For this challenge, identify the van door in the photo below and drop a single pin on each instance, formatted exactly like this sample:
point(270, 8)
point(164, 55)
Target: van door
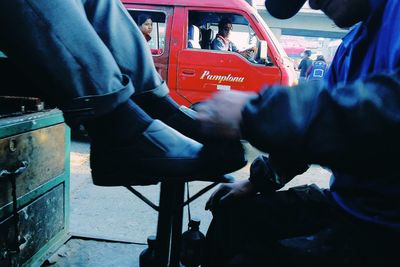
point(159, 43)
point(201, 71)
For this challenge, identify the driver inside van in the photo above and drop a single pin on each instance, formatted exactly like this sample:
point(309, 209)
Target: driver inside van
point(222, 42)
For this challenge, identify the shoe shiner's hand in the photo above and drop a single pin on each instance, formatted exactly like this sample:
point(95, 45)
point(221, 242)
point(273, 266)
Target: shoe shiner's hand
point(221, 116)
point(230, 192)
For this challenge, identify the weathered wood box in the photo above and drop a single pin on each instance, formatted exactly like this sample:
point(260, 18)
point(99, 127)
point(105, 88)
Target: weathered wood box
point(34, 171)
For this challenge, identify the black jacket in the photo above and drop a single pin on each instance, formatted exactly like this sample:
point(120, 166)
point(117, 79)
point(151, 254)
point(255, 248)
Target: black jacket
point(353, 129)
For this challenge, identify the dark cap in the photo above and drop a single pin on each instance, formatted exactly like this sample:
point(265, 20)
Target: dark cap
point(284, 9)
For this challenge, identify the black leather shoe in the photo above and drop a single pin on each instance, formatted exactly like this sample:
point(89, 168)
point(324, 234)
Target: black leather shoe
point(162, 154)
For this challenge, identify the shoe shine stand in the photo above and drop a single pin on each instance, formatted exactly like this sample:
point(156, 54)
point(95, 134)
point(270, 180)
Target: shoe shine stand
point(170, 216)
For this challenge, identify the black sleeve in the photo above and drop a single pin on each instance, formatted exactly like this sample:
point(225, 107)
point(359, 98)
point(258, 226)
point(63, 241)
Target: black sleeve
point(351, 128)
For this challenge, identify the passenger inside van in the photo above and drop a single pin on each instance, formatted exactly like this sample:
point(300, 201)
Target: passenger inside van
point(222, 42)
point(145, 24)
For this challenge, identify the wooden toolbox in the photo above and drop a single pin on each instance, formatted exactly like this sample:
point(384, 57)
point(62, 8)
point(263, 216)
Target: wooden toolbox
point(34, 186)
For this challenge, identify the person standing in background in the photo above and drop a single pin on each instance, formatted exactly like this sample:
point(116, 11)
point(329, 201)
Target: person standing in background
point(317, 70)
point(305, 63)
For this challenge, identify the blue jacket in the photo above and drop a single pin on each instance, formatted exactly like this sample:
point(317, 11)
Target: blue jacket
point(317, 70)
point(350, 125)
point(219, 44)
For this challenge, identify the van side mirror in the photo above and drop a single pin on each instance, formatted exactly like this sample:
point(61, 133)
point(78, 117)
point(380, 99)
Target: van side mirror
point(263, 50)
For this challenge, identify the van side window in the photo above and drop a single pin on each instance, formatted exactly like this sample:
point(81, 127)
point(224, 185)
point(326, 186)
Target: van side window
point(153, 26)
point(2, 55)
point(226, 32)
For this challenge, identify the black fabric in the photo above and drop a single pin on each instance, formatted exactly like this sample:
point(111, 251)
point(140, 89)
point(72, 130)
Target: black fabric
point(352, 128)
point(283, 9)
point(298, 227)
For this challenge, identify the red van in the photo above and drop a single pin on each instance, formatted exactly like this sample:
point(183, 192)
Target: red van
point(182, 34)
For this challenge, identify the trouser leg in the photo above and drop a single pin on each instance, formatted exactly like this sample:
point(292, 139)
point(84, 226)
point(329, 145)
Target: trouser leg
point(54, 43)
point(123, 38)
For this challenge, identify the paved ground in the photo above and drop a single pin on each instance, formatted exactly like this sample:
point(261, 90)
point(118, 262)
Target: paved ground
point(116, 214)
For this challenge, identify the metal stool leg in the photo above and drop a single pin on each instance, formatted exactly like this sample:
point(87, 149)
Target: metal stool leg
point(170, 221)
point(164, 224)
point(177, 220)
point(170, 218)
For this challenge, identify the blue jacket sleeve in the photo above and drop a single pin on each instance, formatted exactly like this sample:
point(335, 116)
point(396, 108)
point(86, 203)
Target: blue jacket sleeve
point(344, 128)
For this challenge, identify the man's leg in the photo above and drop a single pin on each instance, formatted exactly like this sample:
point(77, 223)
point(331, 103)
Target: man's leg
point(126, 42)
point(55, 44)
point(52, 42)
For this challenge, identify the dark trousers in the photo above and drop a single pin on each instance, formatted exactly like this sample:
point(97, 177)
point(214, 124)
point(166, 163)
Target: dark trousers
point(298, 227)
point(87, 56)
